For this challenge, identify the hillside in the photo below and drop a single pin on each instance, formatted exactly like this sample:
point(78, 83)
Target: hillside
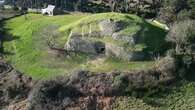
point(97, 54)
point(150, 35)
point(29, 51)
point(39, 47)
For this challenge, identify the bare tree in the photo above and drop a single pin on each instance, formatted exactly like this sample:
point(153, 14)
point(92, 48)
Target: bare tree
point(182, 34)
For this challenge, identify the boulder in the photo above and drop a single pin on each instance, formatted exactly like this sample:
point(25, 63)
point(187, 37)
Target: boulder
point(122, 53)
point(79, 44)
point(131, 39)
point(94, 34)
point(108, 27)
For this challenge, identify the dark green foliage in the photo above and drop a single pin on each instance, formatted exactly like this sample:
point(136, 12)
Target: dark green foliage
point(192, 7)
point(53, 95)
point(145, 8)
point(177, 10)
point(153, 38)
point(182, 35)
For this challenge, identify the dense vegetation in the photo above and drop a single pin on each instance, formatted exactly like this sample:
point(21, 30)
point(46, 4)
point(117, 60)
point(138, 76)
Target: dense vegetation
point(167, 10)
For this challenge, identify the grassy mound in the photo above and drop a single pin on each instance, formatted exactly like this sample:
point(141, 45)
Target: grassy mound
point(150, 35)
point(132, 20)
point(25, 50)
point(28, 50)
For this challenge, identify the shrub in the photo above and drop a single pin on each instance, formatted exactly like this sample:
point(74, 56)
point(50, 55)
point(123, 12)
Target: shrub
point(192, 7)
point(182, 34)
point(167, 15)
point(170, 53)
point(183, 15)
point(121, 82)
point(53, 95)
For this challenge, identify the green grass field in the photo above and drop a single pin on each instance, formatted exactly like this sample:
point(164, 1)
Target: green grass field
point(28, 57)
point(31, 55)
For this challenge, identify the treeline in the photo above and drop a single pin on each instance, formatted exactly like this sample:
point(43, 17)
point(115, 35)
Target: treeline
point(177, 10)
point(140, 7)
point(167, 10)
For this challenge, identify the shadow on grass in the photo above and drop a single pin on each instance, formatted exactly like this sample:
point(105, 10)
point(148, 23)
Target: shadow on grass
point(5, 36)
point(190, 76)
point(153, 37)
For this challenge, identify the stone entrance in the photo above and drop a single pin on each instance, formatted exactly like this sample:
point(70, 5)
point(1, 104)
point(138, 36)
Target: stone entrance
point(100, 47)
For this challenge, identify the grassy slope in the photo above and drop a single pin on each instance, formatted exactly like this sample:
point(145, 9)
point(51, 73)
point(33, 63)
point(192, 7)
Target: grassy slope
point(28, 57)
point(151, 36)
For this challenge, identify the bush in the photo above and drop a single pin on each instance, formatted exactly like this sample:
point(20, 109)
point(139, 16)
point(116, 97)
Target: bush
point(13, 87)
point(182, 34)
point(170, 53)
point(121, 82)
point(192, 7)
point(183, 15)
point(167, 15)
point(52, 95)
point(176, 10)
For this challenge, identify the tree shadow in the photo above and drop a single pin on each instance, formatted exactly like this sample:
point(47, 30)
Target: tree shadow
point(190, 76)
point(153, 37)
point(5, 36)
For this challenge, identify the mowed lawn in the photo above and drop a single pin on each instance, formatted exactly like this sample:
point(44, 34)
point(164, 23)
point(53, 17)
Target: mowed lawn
point(29, 53)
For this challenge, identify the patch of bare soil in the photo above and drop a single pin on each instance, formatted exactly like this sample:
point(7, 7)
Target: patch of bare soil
point(59, 53)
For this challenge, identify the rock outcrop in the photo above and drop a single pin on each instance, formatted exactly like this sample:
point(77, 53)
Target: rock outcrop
point(109, 26)
point(85, 43)
point(80, 44)
point(130, 39)
point(122, 53)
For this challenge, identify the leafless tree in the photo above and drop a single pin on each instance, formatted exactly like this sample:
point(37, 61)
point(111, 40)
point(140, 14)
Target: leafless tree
point(182, 34)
